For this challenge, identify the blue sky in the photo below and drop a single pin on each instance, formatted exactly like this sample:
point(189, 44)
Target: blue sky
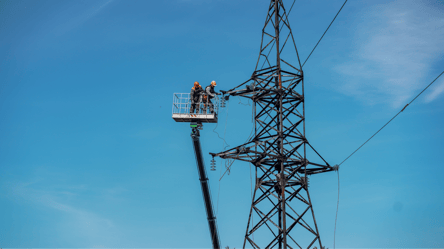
point(90, 156)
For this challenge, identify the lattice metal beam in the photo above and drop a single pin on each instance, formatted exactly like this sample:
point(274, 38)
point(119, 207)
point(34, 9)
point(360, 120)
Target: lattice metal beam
point(281, 213)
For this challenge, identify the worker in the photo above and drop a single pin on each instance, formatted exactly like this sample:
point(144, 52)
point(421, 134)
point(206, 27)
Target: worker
point(195, 96)
point(210, 94)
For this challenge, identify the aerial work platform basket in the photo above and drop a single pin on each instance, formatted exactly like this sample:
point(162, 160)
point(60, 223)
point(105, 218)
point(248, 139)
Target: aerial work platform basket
point(182, 107)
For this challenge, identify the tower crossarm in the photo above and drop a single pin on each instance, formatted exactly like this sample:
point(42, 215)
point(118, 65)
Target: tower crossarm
point(263, 83)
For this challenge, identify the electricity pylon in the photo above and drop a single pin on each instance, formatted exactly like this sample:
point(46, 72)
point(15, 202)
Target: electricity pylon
point(281, 213)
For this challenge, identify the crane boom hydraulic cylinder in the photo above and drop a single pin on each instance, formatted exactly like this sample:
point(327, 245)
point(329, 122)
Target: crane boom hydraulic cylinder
point(205, 186)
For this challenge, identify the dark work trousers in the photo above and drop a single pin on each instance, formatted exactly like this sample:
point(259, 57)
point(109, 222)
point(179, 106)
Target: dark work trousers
point(194, 105)
point(209, 105)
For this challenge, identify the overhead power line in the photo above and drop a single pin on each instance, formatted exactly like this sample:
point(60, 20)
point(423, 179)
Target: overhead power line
point(392, 118)
point(324, 33)
point(337, 204)
point(336, 217)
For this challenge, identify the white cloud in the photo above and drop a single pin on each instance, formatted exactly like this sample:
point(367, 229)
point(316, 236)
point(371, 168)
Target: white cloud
point(94, 11)
point(54, 200)
point(398, 43)
point(87, 224)
point(436, 91)
point(76, 18)
point(81, 18)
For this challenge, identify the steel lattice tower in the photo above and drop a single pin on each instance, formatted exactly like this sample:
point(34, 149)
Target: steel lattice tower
point(281, 213)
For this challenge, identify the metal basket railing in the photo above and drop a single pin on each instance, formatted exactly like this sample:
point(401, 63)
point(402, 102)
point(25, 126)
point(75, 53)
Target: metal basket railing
point(182, 104)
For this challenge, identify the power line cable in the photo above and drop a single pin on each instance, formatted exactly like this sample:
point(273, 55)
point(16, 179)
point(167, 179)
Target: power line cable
point(392, 118)
point(336, 218)
point(324, 33)
point(223, 147)
point(225, 129)
point(229, 163)
point(337, 204)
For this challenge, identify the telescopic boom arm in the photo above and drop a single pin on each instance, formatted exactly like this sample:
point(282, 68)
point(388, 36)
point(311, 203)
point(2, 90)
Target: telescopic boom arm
point(205, 186)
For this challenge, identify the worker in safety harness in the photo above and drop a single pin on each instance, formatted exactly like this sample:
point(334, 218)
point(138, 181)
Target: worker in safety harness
point(195, 97)
point(209, 94)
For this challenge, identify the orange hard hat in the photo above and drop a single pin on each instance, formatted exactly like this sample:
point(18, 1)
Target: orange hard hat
point(196, 84)
point(213, 83)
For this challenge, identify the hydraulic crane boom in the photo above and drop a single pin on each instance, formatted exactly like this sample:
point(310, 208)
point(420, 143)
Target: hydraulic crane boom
point(204, 184)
